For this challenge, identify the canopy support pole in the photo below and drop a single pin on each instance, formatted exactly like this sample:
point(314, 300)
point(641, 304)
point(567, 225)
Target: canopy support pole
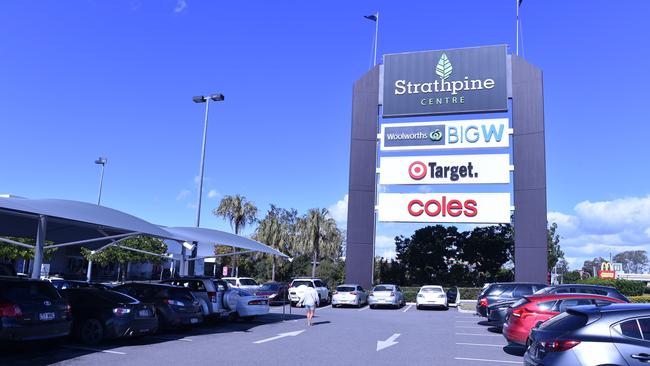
point(16, 243)
point(40, 243)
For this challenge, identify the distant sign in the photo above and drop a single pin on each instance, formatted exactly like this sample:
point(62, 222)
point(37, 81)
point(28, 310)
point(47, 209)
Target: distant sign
point(485, 208)
point(475, 134)
point(462, 80)
point(445, 169)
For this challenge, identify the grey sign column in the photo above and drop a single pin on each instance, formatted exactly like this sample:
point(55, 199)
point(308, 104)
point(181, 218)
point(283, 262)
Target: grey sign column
point(529, 159)
point(361, 194)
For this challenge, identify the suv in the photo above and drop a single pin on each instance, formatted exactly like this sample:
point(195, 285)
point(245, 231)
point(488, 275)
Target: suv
point(504, 291)
point(295, 294)
point(244, 283)
point(213, 295)
point(583, 289)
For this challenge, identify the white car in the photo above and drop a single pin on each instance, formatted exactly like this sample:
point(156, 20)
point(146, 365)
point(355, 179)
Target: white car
point(250, 305)
point(431, 296)
point(296, 293)
point(349, 295)
point(245, 283)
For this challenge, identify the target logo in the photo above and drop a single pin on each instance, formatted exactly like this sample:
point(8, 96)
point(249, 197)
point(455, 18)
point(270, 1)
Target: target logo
point(417, 170)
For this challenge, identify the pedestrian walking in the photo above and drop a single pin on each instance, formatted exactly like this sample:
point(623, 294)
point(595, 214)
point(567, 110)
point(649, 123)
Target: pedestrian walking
point(309, 300)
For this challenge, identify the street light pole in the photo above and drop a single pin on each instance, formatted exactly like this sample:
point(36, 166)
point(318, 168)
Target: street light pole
point(100, 161)
point(202, 99)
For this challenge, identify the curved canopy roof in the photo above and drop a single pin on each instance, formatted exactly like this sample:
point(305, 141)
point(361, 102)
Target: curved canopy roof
point(69, 221)
point(211, 236)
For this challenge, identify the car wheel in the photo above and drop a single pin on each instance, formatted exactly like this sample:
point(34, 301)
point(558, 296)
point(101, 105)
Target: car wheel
point(418, 307)
point(372, 306)
point(91, 332)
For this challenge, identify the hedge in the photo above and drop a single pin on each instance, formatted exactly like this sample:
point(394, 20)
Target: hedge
point(640, 299)
point(626, 287)
point(466, 293)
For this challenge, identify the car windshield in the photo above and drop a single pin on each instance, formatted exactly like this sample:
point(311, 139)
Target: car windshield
point(231, 281)
point(520, 302)
point(242, 292)
point(431, 290)
point(17, 291)
point(565, 322)
point(115, 297)
point(302, 283)
point(179, 294)
point(345, 289)
point(247, 282)
point(383, 288)
point(269, 287)
point(543, 291)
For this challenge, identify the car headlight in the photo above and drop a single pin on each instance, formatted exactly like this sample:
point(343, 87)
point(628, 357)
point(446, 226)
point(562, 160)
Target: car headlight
point(420, 295)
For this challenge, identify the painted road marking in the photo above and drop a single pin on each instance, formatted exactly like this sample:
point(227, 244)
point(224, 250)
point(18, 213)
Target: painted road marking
point(468, 326)
point(387, 343)
point(184, 339)
point(281, 335)
point(94, 349)
point(407, 308)
point(490, 361)
point(481, 335)
point(325, 307)
point(364, 308)
point(480, 344)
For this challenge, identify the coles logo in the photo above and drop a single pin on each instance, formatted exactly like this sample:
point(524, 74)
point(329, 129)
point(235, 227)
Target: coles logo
point(417, 170)
point(443, 207)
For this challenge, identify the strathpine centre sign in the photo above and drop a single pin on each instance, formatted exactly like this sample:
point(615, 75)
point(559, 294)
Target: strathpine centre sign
point(463, 80)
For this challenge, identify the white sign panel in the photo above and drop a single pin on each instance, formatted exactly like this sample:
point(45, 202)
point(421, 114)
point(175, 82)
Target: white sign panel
point(465, 134)
point(445, 169)
point(479, 208)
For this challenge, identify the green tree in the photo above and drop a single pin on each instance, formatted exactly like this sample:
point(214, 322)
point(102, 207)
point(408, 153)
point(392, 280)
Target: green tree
point(555, 253)
point(239, 212)
point(633, 261)
point(571, 276)
point(424, 255)
point(487, 248)
point(319, 236)
point(277, 230)
point(589, 265)
point(117, 254)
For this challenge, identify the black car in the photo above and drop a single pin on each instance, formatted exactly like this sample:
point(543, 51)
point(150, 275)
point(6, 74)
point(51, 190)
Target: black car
point(31, 310)
point(104, 314)
point(60, 284)
point(175, 306)
point(505, 291)
point(7, 270)
point(276, 292)
point(583, 289)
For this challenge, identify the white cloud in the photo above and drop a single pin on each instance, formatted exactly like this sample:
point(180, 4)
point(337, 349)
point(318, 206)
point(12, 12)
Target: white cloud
point(182, 194)
point(339, 211)
point(385, 246)
point(597, 229)
point(180, 6)
point(213, 194)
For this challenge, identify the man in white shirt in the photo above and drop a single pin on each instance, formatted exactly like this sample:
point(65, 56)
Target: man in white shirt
point(309, 300)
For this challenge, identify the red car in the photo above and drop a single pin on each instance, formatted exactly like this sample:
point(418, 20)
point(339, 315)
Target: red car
point(527, 312)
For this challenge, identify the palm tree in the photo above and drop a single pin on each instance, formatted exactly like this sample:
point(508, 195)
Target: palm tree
point(277, 230)
point(239, 212)
point(318, 234)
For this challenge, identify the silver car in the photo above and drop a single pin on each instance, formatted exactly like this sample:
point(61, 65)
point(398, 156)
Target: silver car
point(351, 294)
point(386, 295)
point(214, 296)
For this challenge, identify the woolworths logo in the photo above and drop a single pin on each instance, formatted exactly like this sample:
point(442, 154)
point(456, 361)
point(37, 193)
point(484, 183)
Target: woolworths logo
point(444, 69)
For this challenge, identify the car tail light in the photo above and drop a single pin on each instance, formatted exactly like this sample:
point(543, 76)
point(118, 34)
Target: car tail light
point(121, 311)
point(483, 302)
point(257, 302)
point(212, 296)
point(68, 309)
point(10, 311)
point(353, 293)
point(517, 312)
point(172, 302)
point(559, 346)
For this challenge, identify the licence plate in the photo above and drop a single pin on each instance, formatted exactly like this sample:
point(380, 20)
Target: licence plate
point(144, 313)
point(194, 320)
point(46, 316)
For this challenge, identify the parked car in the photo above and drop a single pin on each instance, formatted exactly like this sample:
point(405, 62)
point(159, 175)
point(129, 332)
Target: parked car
point(351, 294)
point(175, 306)
point(530, 310)
point(496, 313)
point(212, 294)
point(250, 305)
point(295, 293)
point(618, 334)
point(105, 314)
point(61, 284)
point(7, 270)
point(504, 291)
point(276, 292)
point(583, 289)
point(431, 296)
point(386, 295)
point(32, 309)
point(245, 283)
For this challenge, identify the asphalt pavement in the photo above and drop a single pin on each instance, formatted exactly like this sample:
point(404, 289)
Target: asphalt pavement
point(345, 336)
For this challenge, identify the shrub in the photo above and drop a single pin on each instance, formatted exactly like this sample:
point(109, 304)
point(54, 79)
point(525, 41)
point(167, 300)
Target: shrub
point(626, 287)
point(640, 299)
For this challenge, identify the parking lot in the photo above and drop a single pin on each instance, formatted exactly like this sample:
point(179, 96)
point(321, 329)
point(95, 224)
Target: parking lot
point(339, 336)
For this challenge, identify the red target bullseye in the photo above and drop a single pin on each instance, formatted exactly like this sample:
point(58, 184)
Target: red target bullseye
point(417, 170)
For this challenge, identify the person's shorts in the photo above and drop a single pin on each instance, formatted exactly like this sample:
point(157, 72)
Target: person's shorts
point(310, 307)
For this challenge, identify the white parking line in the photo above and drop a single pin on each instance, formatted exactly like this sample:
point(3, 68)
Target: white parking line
point(480, 335)
point(94, 349)
point(407, 308)
point(364, 308)
point(184, 339)
point(480, 344)
point(468, 326)
point(490, 361)
point(466, 321)
point(325, 307)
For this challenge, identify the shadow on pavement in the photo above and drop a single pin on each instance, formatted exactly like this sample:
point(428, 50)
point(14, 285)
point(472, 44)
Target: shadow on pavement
point(321, 323)
point(495, 330)
point(515, 350)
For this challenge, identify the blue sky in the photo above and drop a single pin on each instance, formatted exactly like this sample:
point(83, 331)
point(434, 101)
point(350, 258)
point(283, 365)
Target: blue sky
point(115, 78)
